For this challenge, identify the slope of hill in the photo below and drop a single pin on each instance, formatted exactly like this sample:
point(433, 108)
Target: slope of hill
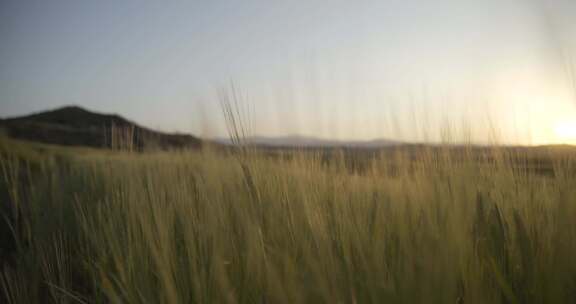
point(75, 126)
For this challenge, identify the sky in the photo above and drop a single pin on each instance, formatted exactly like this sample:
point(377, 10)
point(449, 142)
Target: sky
point(413, 70)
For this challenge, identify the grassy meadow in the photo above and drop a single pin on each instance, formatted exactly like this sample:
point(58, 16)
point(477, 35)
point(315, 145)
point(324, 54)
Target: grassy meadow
point(432, 225)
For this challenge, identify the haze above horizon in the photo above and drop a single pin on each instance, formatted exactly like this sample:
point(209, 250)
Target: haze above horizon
point(341, 70)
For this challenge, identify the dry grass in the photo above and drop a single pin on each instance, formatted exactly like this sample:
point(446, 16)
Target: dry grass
point(203, 227)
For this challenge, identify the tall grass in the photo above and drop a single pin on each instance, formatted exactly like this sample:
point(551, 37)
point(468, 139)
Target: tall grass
point(202, 227)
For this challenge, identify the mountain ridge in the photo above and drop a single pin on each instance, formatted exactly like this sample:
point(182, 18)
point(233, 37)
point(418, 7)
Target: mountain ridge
point(77, 126)
point(312, 142)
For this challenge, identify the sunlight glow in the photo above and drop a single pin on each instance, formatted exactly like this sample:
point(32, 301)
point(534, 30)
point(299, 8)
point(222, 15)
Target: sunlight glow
point(566, 131)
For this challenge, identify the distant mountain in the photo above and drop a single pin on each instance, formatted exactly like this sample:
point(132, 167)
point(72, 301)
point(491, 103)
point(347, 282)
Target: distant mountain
point(313, 142)
point(75, 126)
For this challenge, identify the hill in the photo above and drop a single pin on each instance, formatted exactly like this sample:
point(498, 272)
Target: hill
point(313, 142)
point(75, 126)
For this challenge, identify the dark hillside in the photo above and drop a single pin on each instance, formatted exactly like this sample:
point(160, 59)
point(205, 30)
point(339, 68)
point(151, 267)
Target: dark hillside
point(75, 126)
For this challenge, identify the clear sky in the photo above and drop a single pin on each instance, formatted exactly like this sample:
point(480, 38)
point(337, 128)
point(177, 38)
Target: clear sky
point(401, 69)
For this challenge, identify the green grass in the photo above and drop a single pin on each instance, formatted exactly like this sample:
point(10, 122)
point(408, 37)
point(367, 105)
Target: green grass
point(206, 227)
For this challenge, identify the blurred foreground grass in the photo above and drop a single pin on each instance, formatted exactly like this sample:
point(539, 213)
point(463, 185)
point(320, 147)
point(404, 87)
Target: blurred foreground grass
point(86, 226)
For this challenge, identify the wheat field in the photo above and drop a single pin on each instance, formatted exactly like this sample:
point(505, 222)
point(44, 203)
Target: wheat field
point(432, 226)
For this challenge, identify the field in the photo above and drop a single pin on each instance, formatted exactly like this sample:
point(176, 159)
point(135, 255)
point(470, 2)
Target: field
point(429, 225)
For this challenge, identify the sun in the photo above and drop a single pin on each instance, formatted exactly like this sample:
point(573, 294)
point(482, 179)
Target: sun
point(566, 131)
